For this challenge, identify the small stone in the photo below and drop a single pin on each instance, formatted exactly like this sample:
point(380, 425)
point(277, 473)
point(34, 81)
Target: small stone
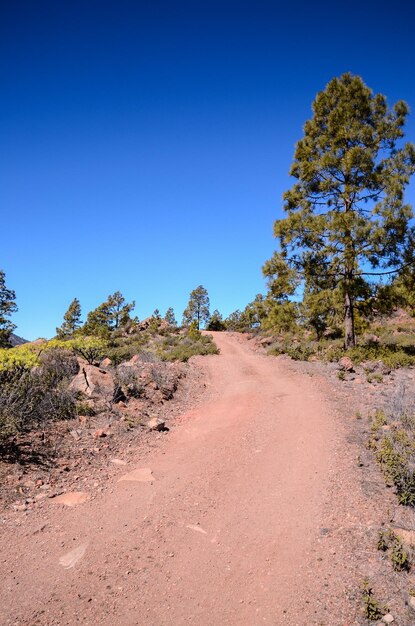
point(411, 602)
point(156, 424)
point(118, 462)
point(100, 432)
point(388, 618)
point(19, 507)
point(346, 364)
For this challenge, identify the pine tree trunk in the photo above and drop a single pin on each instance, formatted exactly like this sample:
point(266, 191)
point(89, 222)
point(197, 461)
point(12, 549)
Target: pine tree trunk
point(349, 335)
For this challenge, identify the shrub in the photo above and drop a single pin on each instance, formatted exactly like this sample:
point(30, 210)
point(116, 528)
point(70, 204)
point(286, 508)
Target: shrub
point(92, 349)
point(299, 349)
point(398, 555)
point(372, 609)
point(186, 347)
point(395, 452)
point(36, 395)
point(21, 358)
point(127, 379)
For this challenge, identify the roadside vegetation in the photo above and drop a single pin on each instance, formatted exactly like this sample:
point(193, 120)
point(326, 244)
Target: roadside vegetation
point(37, 379)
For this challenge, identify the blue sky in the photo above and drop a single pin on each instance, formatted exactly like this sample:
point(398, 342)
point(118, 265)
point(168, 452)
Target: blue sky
point(145, 146)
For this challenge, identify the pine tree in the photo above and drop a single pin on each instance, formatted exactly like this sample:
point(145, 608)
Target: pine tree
point(111, 315)
point(198, 308)
point(7, 307)
point(71, 320)
point(118, 310)
point(169, 317)
point(346, 216)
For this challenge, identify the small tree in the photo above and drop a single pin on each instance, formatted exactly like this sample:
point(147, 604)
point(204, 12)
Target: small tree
point(170, 318)
point(71, 320)
point(7, 307)
point(346, 218)
point(198, 308)
point(216, 322)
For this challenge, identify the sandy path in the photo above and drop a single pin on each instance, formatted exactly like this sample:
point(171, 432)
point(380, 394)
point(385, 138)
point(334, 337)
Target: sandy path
point(223, 531)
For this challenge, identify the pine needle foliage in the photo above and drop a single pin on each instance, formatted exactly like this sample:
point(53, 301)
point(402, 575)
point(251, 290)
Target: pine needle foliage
point(346, 218)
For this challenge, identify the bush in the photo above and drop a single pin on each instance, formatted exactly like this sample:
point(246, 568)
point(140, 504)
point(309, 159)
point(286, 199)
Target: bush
point(126, 378)
point(392, 356)
point(30, 396)
point(92, 349)
point(394, 447)
point(185, 347)
point(297, 349)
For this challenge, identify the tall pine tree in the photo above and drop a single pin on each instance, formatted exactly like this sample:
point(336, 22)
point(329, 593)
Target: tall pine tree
point(346, 215)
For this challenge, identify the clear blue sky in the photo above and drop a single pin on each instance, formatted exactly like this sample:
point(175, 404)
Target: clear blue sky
point(145, 146)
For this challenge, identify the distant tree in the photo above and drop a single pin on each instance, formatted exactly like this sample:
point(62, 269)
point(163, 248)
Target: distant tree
point(97, 322)
point(7, 307)
point(118, 310)
point(169, 317)
point(216, 322)
point(346, 217)
point(71, 320)
point(198, 308)
point(111, 315)
point(156, 314)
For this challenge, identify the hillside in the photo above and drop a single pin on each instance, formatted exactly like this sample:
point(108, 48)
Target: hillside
point(15, 340)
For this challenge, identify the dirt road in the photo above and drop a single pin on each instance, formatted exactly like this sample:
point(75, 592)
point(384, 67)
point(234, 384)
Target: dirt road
point(220, 524)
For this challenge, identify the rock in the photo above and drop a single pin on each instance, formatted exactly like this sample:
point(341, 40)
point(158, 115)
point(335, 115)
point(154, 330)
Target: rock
point(388, 618)
point(266, 341)
point(72, 498)
point(99, 433)
point(371, 339)
point(19, 507)
point(93, 382)
point(411, 602)
point(346, 364)
point(70, 559)
point(106, 363)
point(407, 536)
point(142, 475)
point(118, 462)
point(144, 324)
point(156, 424)
point(376, 367)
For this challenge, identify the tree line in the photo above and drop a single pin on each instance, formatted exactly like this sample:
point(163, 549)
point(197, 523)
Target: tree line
point(112, 315)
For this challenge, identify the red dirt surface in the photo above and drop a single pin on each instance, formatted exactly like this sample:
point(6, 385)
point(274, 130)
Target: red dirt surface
point(245, 513)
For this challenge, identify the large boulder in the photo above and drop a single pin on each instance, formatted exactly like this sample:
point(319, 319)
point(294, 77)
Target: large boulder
point(93, 382)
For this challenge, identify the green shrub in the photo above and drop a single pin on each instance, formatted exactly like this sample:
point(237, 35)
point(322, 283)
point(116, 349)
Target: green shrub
point(392, 356)
point(185, 347)
point(372, 609)
point(395, 452)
